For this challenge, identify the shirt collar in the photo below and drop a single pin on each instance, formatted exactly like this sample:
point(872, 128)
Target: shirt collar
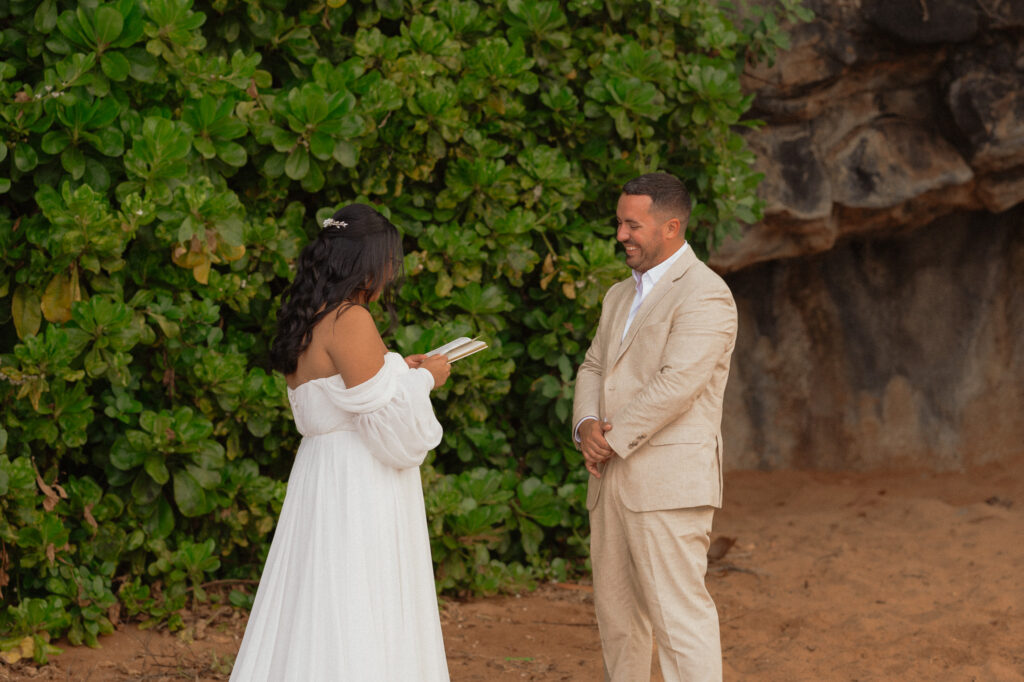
point(651, 277)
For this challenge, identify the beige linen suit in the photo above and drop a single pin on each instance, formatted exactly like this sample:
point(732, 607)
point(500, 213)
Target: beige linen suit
point(661, 388)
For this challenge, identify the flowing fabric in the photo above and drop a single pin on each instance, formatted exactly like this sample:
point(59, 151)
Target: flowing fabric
point(347, 592)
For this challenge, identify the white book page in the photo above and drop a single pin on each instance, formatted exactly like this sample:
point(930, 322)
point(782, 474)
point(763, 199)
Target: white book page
point(444, 350)
point(459, 348)
point(462, 351)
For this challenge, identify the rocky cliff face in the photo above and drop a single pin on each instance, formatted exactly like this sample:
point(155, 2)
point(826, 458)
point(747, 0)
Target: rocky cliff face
point(899, 351)
point(882, 296)
point(885, 115)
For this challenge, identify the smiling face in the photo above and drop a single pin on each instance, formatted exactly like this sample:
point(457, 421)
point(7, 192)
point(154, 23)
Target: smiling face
point(649, 237)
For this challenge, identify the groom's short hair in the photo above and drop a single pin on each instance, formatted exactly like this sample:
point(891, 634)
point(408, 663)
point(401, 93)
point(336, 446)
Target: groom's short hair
point(667, 192)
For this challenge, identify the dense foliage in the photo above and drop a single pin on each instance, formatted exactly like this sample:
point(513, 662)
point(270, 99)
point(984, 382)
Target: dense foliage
point(163, 161)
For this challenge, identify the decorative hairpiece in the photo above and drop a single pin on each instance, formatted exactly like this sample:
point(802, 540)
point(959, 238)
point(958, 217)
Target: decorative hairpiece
point(337, 224)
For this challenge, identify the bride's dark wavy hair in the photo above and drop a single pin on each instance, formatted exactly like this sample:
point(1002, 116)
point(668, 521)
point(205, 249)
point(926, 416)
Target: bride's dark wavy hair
point(359, 251)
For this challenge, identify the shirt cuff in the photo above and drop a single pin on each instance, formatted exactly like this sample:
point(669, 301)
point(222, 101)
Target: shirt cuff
point(576, 431)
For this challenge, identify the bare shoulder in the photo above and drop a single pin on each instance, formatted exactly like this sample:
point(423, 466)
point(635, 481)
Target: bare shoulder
point(350, 318)
point(354, 344)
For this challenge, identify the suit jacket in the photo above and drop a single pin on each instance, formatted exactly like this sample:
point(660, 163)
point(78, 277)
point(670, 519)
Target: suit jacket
point(662, 386)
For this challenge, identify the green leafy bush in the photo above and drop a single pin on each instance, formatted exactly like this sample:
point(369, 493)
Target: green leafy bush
point(163, 162)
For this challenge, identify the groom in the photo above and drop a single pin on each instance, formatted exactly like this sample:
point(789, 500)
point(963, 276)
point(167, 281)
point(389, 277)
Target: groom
point(647, 417)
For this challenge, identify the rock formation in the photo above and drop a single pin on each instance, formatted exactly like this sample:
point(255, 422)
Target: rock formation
point(885, 115)
point(881, 295)
point(892, 351)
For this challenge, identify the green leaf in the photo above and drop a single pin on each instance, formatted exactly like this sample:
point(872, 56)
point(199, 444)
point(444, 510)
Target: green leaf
point(531, 536)
point(210, 455)
point(232, 154)
point(96, 364)
point(273, 165)
point(108, 25)
point(321, 145)
point(144, 66)
point(45, 18)
point(73, 161)
point(109, 141)
point(297, 165)
point(314, 180)
point(205, 147)
point(188, 494)
point(26, 312)
point(124, 456)
point(258, 426)
point(68, 23)
point(539, 502)
point(25, 158)
point(161, 522)
point(346, 153)
point(392, 9)
point(97, 177)
point(115, 65)
point(283, 140)
point(157, 468)
point(207, 479)
point(53, 142)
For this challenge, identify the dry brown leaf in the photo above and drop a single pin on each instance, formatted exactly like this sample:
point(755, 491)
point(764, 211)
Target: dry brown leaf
point(51, 495)
point(89, 518)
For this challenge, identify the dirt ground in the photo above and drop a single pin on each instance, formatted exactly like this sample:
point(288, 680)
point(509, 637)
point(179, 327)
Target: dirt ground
point(833, 576)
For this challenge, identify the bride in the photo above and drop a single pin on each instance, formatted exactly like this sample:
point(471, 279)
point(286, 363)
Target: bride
point(347, 592)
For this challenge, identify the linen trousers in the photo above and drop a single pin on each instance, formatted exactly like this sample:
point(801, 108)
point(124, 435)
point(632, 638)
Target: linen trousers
point(649, 570)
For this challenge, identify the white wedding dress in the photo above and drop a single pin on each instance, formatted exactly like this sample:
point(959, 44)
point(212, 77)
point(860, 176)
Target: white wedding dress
point(347, 592)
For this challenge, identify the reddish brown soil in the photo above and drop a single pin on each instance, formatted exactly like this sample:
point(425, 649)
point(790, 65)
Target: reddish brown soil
point(833, 576)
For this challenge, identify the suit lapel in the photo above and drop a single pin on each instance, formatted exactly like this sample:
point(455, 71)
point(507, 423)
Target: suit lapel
point(619, 316)
point(664, 286)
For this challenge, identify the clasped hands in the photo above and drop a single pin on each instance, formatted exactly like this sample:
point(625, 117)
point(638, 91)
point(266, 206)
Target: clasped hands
point(596, 450)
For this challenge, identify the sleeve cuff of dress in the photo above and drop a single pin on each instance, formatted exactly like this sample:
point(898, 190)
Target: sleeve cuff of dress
point(425, 377)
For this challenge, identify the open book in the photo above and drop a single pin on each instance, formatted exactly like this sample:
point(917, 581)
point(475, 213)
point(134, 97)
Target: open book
point(459, 348)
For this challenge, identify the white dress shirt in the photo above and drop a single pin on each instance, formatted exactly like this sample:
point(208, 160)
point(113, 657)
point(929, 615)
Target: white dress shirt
point(645, 281)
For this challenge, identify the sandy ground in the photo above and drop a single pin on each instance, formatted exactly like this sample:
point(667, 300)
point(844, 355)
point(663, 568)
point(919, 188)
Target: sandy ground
point(833, 576)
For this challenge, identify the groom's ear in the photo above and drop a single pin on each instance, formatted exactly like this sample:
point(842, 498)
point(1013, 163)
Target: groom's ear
point(673, 228)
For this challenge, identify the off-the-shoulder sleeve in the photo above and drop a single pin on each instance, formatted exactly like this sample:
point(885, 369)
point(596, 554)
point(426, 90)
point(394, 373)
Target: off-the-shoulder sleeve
point(393, 412)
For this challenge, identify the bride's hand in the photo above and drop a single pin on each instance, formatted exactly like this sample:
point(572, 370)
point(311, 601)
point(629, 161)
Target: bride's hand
point(414, 361)
point(439, 367)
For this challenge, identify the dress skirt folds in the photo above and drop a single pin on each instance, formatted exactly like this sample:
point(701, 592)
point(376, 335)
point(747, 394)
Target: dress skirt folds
point(347, 593)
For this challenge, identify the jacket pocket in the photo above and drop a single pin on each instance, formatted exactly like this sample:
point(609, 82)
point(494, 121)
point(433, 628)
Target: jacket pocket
point(681, 434)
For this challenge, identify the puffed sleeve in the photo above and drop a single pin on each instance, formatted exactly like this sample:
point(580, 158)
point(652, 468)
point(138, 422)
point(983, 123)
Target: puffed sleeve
point(393, 413)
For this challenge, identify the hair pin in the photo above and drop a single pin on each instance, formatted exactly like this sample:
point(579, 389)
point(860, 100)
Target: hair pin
point(331, 222)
